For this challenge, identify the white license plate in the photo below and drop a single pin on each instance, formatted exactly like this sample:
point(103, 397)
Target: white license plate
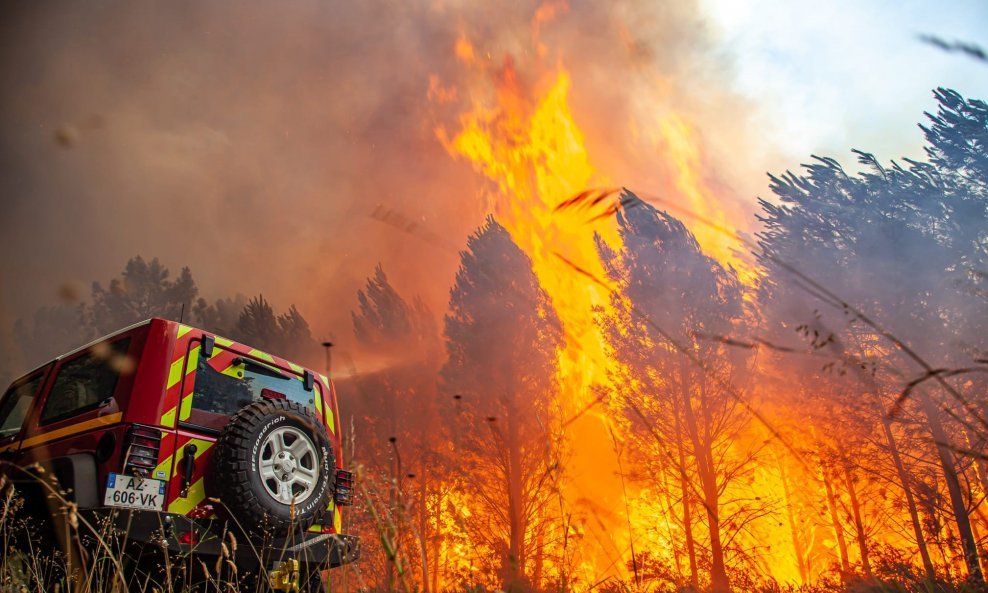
point(134, 493)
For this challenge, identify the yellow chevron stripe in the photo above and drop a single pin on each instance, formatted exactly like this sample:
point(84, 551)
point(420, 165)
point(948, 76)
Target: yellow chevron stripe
point(337, 519)
point(175, 372)
point(71, 430)
point(185, 410)
point(234, 370)
point(223, 342)
point(190, 363)
point(182, 330)
point(317, 396)
point(195, 495)
point(331, 420)
point(162, 467)
point(168, 418)
point(298, 369)
point(262, 355)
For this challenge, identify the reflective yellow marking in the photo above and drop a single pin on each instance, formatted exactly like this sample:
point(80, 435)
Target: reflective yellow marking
point(201, 447)
point(186, 408)
point(71, 430)
point(337, 519)
point(331, 421)
point(234, 370)
point(317, 396)
point(195, 495)
point(182, 330)
point(296, 368)
point(191, 364)
point(168, 418)
point(161, 469)
point(262, 355)
point(223, 342)
point(193, 360)
point(175, 373)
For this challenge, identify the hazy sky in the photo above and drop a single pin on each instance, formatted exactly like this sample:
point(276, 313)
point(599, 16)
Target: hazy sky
point(844, 74)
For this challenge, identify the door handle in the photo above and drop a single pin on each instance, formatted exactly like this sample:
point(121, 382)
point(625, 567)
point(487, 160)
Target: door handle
point(188, 466)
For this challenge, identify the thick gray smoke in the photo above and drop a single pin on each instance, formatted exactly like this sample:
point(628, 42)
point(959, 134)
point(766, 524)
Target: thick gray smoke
point(253, 142)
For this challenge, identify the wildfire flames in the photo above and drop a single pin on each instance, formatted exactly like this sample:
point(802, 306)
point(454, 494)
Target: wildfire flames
point(521, 134)
point(529, 145)
point(630, 378)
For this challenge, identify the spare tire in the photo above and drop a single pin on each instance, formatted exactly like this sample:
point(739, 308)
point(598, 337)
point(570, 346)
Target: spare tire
point(274, 467)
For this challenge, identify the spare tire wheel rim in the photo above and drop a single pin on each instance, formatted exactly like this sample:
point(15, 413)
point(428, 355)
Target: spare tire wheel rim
point(288, 463)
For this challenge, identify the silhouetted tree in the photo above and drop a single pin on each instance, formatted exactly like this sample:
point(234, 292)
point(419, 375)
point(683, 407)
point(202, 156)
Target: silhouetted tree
point(906, 247)
point(143, 290)
point(671, 299)
point(52, 330)
point(399, 403)
point(502, 338)
point(221, 316)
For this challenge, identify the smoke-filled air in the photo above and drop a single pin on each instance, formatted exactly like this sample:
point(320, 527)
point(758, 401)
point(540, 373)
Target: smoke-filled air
point(603, 317)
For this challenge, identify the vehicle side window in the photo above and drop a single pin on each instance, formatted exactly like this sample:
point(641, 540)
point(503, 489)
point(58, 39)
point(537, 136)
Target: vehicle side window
point(15, 404)
point(85, 381)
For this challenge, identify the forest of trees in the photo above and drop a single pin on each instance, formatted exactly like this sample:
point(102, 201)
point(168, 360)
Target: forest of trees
point(824, 427)
point(145, 289)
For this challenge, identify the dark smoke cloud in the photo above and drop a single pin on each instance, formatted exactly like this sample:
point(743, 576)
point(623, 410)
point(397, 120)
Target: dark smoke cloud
point(253, 141)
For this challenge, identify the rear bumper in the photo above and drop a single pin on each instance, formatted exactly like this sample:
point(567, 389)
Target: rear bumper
point(212, 538)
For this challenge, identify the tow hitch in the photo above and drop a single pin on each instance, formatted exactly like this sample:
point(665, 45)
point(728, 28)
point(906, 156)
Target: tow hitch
point(285, 576)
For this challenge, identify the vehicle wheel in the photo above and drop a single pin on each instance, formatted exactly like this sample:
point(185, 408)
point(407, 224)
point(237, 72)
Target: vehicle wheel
point(274, 467)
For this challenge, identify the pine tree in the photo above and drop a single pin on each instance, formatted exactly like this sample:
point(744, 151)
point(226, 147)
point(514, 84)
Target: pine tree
point(143, 290)
point(900, 253)
point(399, 403)
point(671, 300)
point(502, 338)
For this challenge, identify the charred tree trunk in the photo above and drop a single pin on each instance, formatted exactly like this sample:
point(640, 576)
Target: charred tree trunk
point(702, 450)
point(424, 523)
point(845, 563)
point(856, 516)
point(797, 541)
point(669, 504)
point(437, 514)
point(900, 470)
point(684, 488)
point(948, 466)
point(513, 566)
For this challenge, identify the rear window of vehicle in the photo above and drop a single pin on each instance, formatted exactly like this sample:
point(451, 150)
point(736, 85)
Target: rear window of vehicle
point(15, 404)
point(86, 381)
point(243, 381)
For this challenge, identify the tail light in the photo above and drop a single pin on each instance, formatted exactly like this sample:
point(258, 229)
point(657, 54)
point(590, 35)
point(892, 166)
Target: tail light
point(141, 446)
point(344, 487)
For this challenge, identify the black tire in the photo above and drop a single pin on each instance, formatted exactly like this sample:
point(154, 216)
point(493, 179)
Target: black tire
point(240, 484)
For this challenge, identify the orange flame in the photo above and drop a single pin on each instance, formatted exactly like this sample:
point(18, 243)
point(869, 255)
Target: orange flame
point(528, 144)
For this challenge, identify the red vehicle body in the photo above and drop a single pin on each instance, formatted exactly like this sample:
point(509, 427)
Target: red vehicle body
point(135, 406)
